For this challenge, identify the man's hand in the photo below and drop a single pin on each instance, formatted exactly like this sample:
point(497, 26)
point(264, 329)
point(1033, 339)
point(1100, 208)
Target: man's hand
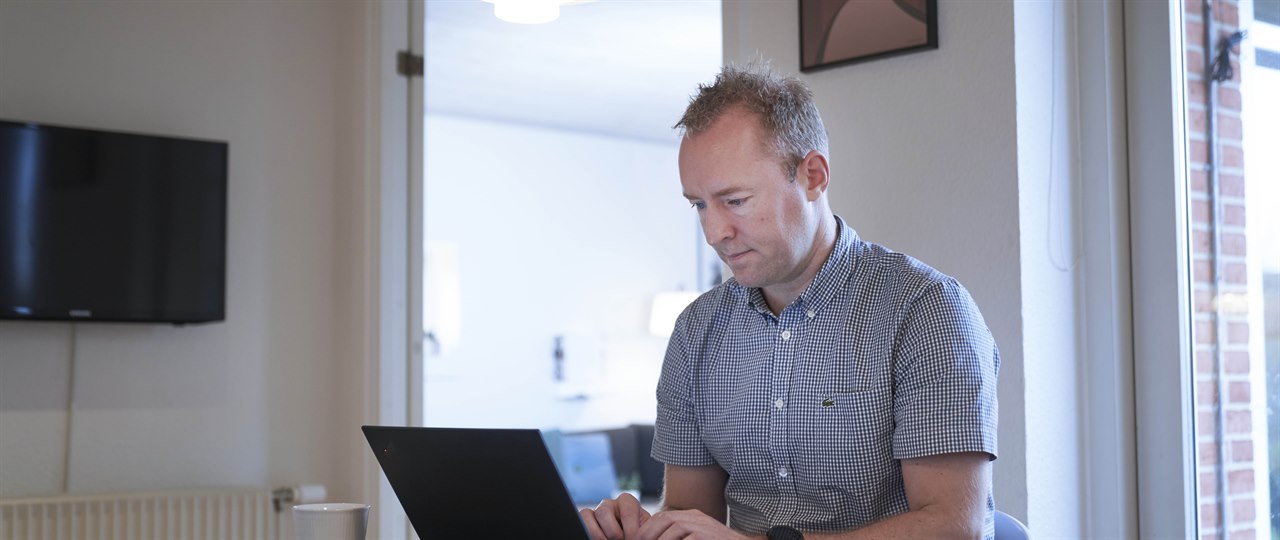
point(690, 524)
point(615, 519)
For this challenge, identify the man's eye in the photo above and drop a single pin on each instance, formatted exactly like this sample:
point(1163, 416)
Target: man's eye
point(735, 202)
point(698, 205)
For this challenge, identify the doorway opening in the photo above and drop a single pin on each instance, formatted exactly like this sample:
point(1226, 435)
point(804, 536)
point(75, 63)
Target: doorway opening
point(552, 209)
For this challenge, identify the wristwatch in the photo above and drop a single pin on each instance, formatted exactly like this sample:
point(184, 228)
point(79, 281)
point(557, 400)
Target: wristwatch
point(784, 532)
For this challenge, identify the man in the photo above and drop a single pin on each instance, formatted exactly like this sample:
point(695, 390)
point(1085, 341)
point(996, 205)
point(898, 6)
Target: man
point(832, 388)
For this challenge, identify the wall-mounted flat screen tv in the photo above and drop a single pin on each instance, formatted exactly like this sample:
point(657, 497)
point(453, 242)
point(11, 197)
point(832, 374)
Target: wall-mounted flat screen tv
point(106, 226)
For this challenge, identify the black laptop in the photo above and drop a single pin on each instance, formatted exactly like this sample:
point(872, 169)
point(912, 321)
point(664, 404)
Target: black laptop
point(476, 483)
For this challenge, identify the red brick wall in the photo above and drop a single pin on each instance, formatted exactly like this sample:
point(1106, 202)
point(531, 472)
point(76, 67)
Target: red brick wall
point(1231, 205)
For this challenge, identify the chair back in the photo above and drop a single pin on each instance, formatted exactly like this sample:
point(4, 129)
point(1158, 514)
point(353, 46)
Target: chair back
point(1009, 528)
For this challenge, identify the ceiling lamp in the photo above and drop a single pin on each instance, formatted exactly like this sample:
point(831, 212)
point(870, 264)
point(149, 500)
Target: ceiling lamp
point(529, 11)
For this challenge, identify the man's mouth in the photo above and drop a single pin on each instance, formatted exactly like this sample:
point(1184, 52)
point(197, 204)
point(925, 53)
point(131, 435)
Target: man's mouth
point(735, 257)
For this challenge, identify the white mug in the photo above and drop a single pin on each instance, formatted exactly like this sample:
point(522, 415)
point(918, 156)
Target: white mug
point(330, 521)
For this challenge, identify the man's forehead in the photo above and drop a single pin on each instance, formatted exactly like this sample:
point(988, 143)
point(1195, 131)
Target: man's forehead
point(725, 146)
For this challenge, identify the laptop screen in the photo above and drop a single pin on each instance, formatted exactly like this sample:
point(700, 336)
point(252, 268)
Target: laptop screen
point(476, 483)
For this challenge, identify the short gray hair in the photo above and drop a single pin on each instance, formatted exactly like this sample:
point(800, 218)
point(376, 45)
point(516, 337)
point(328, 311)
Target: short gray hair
point(783, 104)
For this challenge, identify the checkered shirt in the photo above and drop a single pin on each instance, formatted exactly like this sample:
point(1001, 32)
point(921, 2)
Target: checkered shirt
point(881, 359)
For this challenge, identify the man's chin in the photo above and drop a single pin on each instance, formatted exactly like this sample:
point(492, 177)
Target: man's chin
point(746, 279)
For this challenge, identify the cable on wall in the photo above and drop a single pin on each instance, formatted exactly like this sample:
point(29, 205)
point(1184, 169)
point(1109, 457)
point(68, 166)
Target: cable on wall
point(1217, 69)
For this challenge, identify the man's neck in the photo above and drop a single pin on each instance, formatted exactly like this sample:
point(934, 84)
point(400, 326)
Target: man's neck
point(779, 296)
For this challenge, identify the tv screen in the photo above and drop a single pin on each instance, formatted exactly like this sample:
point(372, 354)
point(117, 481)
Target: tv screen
point(106, 226)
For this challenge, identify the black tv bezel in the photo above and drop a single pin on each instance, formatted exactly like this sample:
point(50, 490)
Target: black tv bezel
point(8, 313)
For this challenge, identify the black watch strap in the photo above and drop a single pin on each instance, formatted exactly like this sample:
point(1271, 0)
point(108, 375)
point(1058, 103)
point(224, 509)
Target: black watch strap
point(784, 532)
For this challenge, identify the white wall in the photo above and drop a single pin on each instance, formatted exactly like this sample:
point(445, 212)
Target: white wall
point(925, 160)
point(252, 400)
point(555, 233)
point(1050, 262)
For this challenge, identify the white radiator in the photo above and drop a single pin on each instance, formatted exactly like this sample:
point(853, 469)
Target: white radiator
point(209, 514)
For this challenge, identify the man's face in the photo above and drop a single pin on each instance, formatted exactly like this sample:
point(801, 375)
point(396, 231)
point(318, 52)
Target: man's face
point(756, 218)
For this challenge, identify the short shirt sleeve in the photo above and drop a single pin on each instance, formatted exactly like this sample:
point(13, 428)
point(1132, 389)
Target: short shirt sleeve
point(676, 436)
point(945, 369)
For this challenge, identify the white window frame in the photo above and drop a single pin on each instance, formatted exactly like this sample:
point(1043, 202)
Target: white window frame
point(1107, 378)
point(1160, 270)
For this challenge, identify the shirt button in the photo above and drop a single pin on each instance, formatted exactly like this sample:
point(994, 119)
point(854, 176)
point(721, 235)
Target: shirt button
point(783, 472)
point(786, 334)
point(779, 403)
point(811, 314)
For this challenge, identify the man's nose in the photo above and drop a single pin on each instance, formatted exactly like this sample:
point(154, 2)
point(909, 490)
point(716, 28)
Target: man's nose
point(716, 227)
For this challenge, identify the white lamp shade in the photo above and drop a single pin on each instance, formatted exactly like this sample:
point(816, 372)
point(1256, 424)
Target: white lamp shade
point(526, 11)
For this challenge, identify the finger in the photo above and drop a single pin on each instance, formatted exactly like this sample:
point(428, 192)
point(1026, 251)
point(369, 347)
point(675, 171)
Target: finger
point(589, 521)
point(675, 528)
point(630, 513)
point(655, 526)
point(607, 517)
point(680, 524)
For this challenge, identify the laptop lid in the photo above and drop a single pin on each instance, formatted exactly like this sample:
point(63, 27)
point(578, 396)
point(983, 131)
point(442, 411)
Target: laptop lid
point(476, 483)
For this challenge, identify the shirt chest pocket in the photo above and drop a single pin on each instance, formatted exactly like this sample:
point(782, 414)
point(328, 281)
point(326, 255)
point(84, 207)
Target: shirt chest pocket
point(839, 434)
point(845, 403)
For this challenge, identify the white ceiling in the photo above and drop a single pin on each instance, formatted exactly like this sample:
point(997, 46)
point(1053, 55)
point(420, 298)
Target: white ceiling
point(614, 67)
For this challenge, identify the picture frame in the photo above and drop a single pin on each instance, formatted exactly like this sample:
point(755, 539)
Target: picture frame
point(841, 32)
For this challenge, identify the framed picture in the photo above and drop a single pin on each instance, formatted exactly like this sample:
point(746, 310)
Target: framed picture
point(838, 32)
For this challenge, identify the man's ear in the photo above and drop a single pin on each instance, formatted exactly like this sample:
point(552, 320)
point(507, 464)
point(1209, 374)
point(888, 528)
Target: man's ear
point(814, 174)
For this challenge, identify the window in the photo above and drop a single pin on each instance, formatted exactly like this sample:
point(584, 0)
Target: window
point(1234, 271)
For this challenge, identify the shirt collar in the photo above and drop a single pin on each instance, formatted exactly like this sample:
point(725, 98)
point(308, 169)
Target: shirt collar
point(831, 277)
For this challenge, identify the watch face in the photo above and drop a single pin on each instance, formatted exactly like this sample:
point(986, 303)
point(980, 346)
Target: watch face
point(784, 532)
